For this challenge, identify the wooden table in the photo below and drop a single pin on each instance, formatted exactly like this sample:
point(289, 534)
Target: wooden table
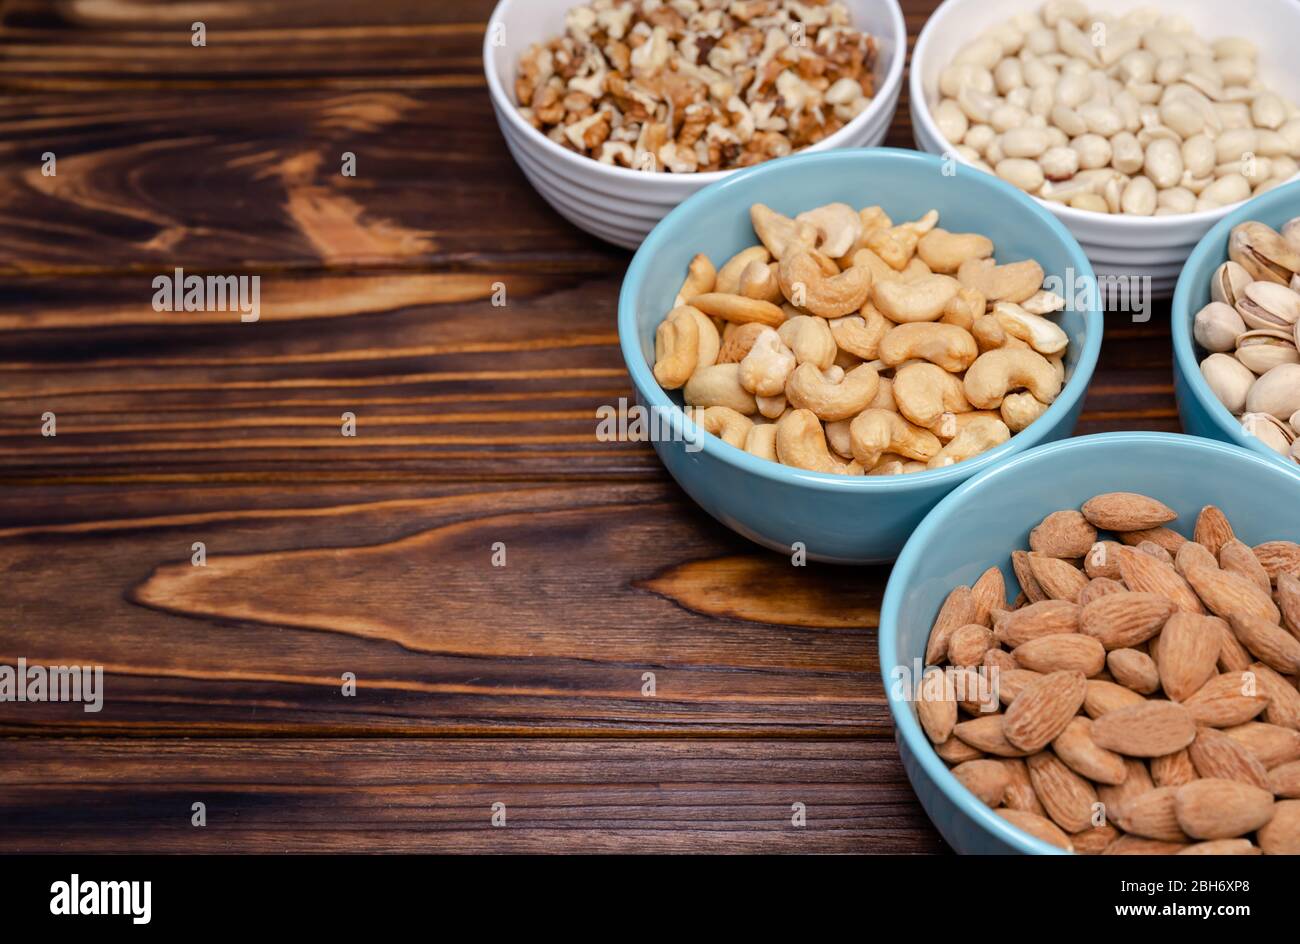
point(476, 685)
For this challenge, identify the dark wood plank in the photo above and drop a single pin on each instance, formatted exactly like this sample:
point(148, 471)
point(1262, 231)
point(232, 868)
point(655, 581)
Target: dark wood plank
point(414, 795)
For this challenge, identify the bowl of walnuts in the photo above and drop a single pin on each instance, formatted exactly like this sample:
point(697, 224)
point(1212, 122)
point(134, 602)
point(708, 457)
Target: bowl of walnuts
point(618, 110)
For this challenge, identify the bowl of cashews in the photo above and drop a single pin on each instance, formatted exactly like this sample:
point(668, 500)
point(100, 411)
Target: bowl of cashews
point(829, 344)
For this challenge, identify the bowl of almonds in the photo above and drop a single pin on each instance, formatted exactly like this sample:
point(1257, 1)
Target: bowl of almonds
point(1236, 327)
point(1095, 648)
point(1139, 124)
point(618, 110)
point(832, 342)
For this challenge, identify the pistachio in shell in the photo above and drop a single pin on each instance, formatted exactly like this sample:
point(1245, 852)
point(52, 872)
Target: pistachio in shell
point(1263, 253)
point(1277, 393)
point(1229, 283)
point(1229, 379)
point(1269, 430)
point(1217, 327)
point(1263, 349)
point(1269, 305)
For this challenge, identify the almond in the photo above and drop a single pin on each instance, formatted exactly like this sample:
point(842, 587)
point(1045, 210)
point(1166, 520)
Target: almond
point(1103, 560)
point(987, 779)
point(1233, 656)
point(957, 610)
point(1221, 809)
point(1151, 816)
point(1268, 642)
point(1282, 834)
point(988, 593)
point(1041, 712)
point(1288, 601)
point(1152, 549)
point(1038, 827)
point(936, 705)
point(1046, 618)
point(975, 692)
point(1221, 847)
point(1193, 554)
point(1001, 660)
point(1212, 529)
point(1062, 652)
point(1189, 654)
point(1217, 756)
point(1063, 534)
point(1067, 797)
point(1103, 697)
point(1077, 750)
point(956, 751)
point(1237, 558)
point(1123, 620)
point(1273, 746)
point(1279, 557)
point(1134, 670)
point(1094, 841)
point(1151, 729)
point(1025, 577)
point(1136, 845)
point(1229, 699)
point(985, 734)
point(1144, 574)
point(1173, 770)
point(1020, 791)
point(1137, 781)
point(1012, 682)
point(1283, 700)
point(1166, 539)
point(1231, 595)
point(1284, 780)
point(1099, 587)
point(967, 644)
point(1059, 579)
point(1126, 511)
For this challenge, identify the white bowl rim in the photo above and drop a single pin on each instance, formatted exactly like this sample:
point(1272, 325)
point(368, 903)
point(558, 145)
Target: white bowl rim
point(905, 723)
point(885, 99)
point(644, 384)
point(1148, 226)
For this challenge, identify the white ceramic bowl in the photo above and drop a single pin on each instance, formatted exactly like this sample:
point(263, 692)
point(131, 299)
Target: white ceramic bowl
point(620, 205)
point(1117, 245)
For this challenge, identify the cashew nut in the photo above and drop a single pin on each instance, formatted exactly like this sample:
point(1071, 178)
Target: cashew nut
point(801, 443)
point(759, 281)
point(837, 436)
point(677, 348)
point(772, 408)
point(891, 464)
point(811, 340)
point(884, 399)
point(1043, 303)
point(738, 340)
point(766, 368)
point(925, 393)
point(873, 219)
point(895, 245)
point(719, 385)
point(1016, 282)
point(881, 271)
point(945, 252)
point(1020, 409)
point(875, 432)
point(778, 232)
point(977, 436)
point(838, 227)
point(861, 334)
point(996, 373)
point(832, 398)
point(806, 284)
point(1045, 337)
point(700, 279)
point(728, 281)
point(921, 300)
point(725, 423)
point(738, 309)
point(949, 346)
point(761, 441)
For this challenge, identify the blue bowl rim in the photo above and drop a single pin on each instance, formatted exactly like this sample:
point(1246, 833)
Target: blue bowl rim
point(905, 723)
point(1212, 245)
point(650, 391)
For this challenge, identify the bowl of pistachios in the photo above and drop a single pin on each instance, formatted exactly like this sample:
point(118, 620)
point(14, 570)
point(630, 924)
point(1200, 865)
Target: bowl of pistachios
point(1236, 327)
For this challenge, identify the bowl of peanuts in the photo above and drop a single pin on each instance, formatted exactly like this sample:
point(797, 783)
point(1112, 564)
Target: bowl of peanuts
point(1236, 328)
point(1094, 648)
point(618, 110)
point(1139, 124)
point(825, 346)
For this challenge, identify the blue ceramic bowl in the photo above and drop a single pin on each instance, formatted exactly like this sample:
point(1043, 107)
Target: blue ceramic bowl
point(982, 522)
point(841, 518)
point(1200, 410)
